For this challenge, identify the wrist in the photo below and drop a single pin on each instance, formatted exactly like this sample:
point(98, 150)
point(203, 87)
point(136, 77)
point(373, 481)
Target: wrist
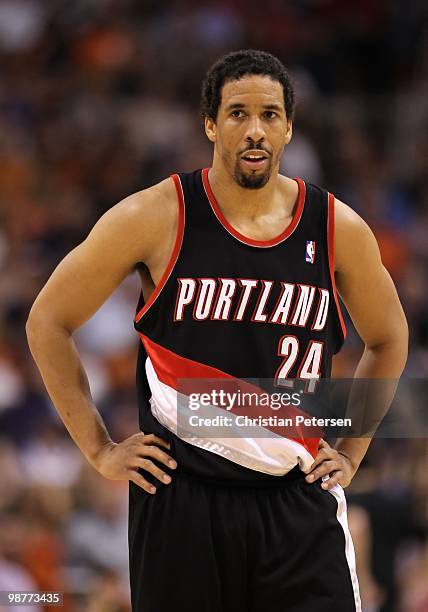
point(96, 456)
point(352, 462)
point(353, 449)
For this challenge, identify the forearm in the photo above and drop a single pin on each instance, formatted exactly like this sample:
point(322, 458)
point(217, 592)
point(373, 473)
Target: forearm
point(385, 362)
point(66, 382)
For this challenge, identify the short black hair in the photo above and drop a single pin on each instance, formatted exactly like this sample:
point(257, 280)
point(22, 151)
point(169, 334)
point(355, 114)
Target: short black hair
point(235, 65)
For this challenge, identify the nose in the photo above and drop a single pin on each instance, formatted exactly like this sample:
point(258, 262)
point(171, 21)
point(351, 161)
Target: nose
point(255, 131)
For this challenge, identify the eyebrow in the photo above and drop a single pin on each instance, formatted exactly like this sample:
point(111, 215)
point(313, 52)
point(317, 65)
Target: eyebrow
point(239, 105)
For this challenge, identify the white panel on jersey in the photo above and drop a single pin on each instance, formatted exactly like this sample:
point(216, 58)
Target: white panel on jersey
point(270, 453)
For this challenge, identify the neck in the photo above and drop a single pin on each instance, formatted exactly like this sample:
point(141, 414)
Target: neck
point(235, 198)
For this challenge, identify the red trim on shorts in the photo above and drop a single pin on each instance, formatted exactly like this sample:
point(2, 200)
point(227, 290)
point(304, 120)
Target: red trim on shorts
point(257, 243)
point(175, 252)
point(331, 259)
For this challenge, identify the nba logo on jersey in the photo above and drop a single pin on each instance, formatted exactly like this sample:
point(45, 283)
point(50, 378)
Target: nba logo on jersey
point(310, 251)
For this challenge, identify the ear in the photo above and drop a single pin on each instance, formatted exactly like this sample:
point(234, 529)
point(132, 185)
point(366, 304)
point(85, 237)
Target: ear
point(210, 129)
point(289, 132)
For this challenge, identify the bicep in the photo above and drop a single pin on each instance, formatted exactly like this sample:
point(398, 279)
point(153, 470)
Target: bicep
point(90, 273)
point(363, 282)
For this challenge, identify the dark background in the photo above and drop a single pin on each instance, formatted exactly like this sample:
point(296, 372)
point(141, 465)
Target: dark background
point(98, 99)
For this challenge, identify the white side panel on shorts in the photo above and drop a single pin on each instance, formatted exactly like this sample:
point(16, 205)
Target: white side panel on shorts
point(339, 494)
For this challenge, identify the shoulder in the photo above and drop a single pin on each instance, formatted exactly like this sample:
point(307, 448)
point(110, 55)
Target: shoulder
point(354, 240)
point(156, 203)
point(143, 219)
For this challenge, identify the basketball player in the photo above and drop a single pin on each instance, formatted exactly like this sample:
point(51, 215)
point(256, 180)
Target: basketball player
point(240, 268)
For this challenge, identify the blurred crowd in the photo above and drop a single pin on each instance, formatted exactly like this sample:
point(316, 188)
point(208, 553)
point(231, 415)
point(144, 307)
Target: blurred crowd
point(100, 98)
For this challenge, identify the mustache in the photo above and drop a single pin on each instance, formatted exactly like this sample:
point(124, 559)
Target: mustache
point(255, 148)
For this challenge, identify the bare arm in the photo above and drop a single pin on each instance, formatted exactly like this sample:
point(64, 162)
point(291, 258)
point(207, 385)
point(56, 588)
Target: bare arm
point(371, 299)
point(132, 231)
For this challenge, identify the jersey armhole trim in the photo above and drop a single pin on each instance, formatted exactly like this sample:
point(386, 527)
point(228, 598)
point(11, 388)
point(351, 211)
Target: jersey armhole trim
point(330, 232)
point(175, 252)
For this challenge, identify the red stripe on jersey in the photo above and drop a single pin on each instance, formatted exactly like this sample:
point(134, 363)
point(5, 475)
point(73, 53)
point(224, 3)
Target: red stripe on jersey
point(170, 368)
point(331, 258)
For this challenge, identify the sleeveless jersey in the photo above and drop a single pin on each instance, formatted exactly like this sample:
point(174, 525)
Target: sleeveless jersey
point(230, 307)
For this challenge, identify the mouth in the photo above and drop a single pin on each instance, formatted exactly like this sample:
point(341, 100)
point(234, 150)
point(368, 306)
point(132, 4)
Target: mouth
point(254, 160)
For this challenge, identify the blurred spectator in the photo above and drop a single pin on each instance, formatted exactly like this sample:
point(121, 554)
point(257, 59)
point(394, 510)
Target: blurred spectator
point(50, 459)
point(13, 574)
point(108, 594)
point(99, 100)
point(96, 532)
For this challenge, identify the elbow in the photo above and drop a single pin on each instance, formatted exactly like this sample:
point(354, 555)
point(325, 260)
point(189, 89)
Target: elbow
point(402, 339)
point(406, 337)
point(403, 348)
point(40, 325)
point(31, 326)
point(394, 347)
point(36, 324)
point(30, 323)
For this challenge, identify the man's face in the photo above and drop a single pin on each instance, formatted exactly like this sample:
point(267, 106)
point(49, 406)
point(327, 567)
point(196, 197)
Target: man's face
point(251, 129)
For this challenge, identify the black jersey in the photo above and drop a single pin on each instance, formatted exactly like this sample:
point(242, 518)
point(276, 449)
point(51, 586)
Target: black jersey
point(230, 307)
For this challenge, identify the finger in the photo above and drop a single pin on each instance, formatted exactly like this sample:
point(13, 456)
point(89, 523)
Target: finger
point(324, 444)
point(325, 468)
point(153, 439)
point(322, 456)
point(149, 466)
point(141, 481)
point(153, 451)
point(332, 481)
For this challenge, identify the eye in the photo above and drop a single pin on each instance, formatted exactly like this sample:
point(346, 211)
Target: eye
point(234, 113)
point(270, 114)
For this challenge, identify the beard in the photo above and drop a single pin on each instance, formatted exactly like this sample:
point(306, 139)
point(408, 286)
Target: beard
point(252, 179)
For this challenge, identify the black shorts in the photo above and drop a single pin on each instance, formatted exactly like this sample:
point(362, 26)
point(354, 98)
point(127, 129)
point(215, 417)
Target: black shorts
point(199, 546)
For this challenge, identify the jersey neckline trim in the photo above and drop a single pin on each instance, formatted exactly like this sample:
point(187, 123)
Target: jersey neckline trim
point(301, 198)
